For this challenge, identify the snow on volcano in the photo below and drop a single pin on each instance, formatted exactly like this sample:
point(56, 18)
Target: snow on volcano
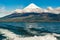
point(32, 8)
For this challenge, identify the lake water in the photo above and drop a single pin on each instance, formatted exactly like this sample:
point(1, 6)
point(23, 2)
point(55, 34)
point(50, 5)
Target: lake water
point(30, 29)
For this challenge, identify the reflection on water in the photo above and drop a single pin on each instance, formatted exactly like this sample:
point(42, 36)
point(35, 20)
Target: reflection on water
point(22, 29)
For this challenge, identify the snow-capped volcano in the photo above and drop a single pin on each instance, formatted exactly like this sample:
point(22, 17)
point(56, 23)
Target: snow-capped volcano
point(32, 5)
point(32, 8)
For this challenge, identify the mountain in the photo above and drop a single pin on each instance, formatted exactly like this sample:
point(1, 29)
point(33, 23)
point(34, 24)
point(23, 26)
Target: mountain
point(57, 9)
point(31, 17)
point(32, 8)
point(50, 8)
point(33, 13)
point(18, 11)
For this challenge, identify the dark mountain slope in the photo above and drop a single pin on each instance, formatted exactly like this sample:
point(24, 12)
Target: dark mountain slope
point(31, 17)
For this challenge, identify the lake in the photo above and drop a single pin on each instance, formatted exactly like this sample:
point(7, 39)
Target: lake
point(25, 29)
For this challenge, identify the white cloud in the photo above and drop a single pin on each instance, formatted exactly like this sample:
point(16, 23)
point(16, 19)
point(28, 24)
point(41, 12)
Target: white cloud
point(3, 12)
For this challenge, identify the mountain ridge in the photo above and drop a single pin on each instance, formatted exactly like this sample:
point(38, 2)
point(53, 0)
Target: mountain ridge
point(31, 17)
point(34, 8)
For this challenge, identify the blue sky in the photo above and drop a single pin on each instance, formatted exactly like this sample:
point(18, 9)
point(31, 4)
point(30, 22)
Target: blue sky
point(13, 4)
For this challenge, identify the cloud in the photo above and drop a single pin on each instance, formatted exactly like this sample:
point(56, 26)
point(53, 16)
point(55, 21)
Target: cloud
point(4, 12)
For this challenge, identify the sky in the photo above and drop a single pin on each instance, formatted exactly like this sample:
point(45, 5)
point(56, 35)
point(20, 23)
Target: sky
point(14, 4)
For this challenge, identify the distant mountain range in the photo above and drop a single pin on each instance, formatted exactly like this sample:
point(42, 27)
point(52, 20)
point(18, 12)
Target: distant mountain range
point(33, 13)
point(34, 8)
point(31, 17)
